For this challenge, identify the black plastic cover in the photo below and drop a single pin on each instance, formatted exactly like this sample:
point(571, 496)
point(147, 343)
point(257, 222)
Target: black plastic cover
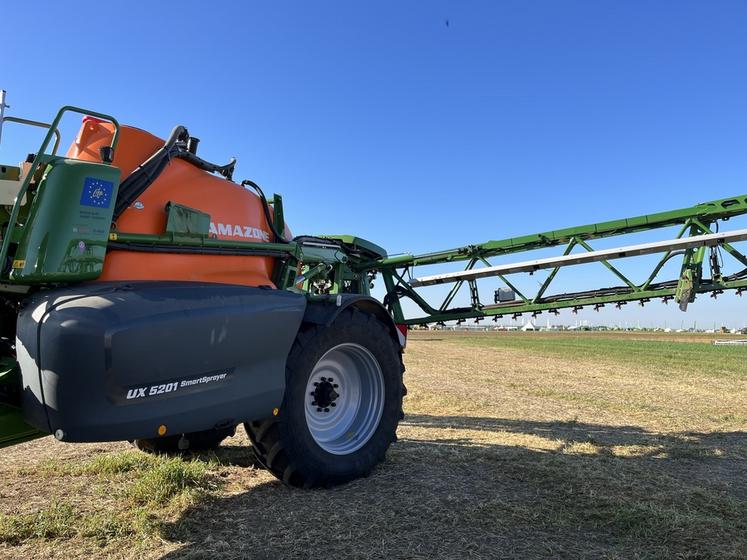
point(105, 362)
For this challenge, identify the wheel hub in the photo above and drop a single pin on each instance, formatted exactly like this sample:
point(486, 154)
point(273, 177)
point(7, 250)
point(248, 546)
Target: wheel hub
point(324, 394)
point(344, 398)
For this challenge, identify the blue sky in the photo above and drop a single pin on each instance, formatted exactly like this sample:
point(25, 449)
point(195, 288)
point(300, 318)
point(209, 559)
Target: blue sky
point(380, 119)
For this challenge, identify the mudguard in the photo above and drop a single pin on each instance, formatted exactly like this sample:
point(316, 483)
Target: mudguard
point(118, 361)
point(324, 311)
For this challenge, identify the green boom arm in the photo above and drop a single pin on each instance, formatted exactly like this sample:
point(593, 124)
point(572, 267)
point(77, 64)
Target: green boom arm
point(697, 226)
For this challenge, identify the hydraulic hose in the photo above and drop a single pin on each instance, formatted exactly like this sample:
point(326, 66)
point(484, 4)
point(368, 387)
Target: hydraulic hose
point(147, 172)
point(176, 147)
point(225, 170)
point(266, 207)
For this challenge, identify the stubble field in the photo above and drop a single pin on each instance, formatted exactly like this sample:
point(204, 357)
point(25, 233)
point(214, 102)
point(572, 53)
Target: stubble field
point(514, 445)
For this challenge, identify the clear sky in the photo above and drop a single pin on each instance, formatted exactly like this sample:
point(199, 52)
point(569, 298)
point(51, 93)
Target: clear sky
point(420, 125)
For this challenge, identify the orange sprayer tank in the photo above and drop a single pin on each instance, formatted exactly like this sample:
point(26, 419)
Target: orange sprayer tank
point(236, 214)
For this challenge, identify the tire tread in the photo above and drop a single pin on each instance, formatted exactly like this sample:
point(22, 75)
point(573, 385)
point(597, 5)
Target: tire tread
point(267, 436)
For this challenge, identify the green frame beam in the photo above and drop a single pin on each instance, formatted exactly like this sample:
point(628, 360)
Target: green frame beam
point(695, 220)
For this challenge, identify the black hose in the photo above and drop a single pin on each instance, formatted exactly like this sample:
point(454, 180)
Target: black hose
point(148, 171)
point(176, 146)
point(266, 207)
point(225, 170)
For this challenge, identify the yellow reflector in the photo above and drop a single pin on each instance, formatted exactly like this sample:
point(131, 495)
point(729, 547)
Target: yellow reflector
point(275, 411)
point(162, 430)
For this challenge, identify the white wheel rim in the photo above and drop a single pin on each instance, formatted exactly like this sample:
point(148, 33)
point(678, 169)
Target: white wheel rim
point(344, 399)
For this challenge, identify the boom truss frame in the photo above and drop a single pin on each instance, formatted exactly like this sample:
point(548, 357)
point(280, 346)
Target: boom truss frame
point(698, 231)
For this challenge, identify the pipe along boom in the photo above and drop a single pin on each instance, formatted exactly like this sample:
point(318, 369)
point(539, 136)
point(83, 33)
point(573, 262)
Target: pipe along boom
point(698, 231)
point(146, 295)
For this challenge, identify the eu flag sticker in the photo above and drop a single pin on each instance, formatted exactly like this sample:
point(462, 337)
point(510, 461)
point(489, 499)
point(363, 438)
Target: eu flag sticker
point(96, 193)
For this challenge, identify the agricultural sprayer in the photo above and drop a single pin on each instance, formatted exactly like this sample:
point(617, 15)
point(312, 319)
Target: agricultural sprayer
point(148, 296)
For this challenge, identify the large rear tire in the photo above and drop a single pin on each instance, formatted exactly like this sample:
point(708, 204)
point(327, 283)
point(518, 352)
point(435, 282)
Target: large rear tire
point(342, 404)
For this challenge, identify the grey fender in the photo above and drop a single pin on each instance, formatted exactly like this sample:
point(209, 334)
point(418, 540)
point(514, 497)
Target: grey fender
point(324, 312)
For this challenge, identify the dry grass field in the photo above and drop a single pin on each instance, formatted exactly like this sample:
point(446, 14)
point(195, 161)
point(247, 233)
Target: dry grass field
point(526, 446)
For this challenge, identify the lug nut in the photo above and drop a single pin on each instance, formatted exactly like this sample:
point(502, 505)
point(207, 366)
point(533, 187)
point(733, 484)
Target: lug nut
point(313, 403)
point(326, 410)
point(335, 385)
point(318, 409)
point(316, 384)
point(332, 404)
point(324, 379)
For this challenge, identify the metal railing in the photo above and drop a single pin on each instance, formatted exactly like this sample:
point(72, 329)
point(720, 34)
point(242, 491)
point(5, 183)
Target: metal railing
point(53, 130)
